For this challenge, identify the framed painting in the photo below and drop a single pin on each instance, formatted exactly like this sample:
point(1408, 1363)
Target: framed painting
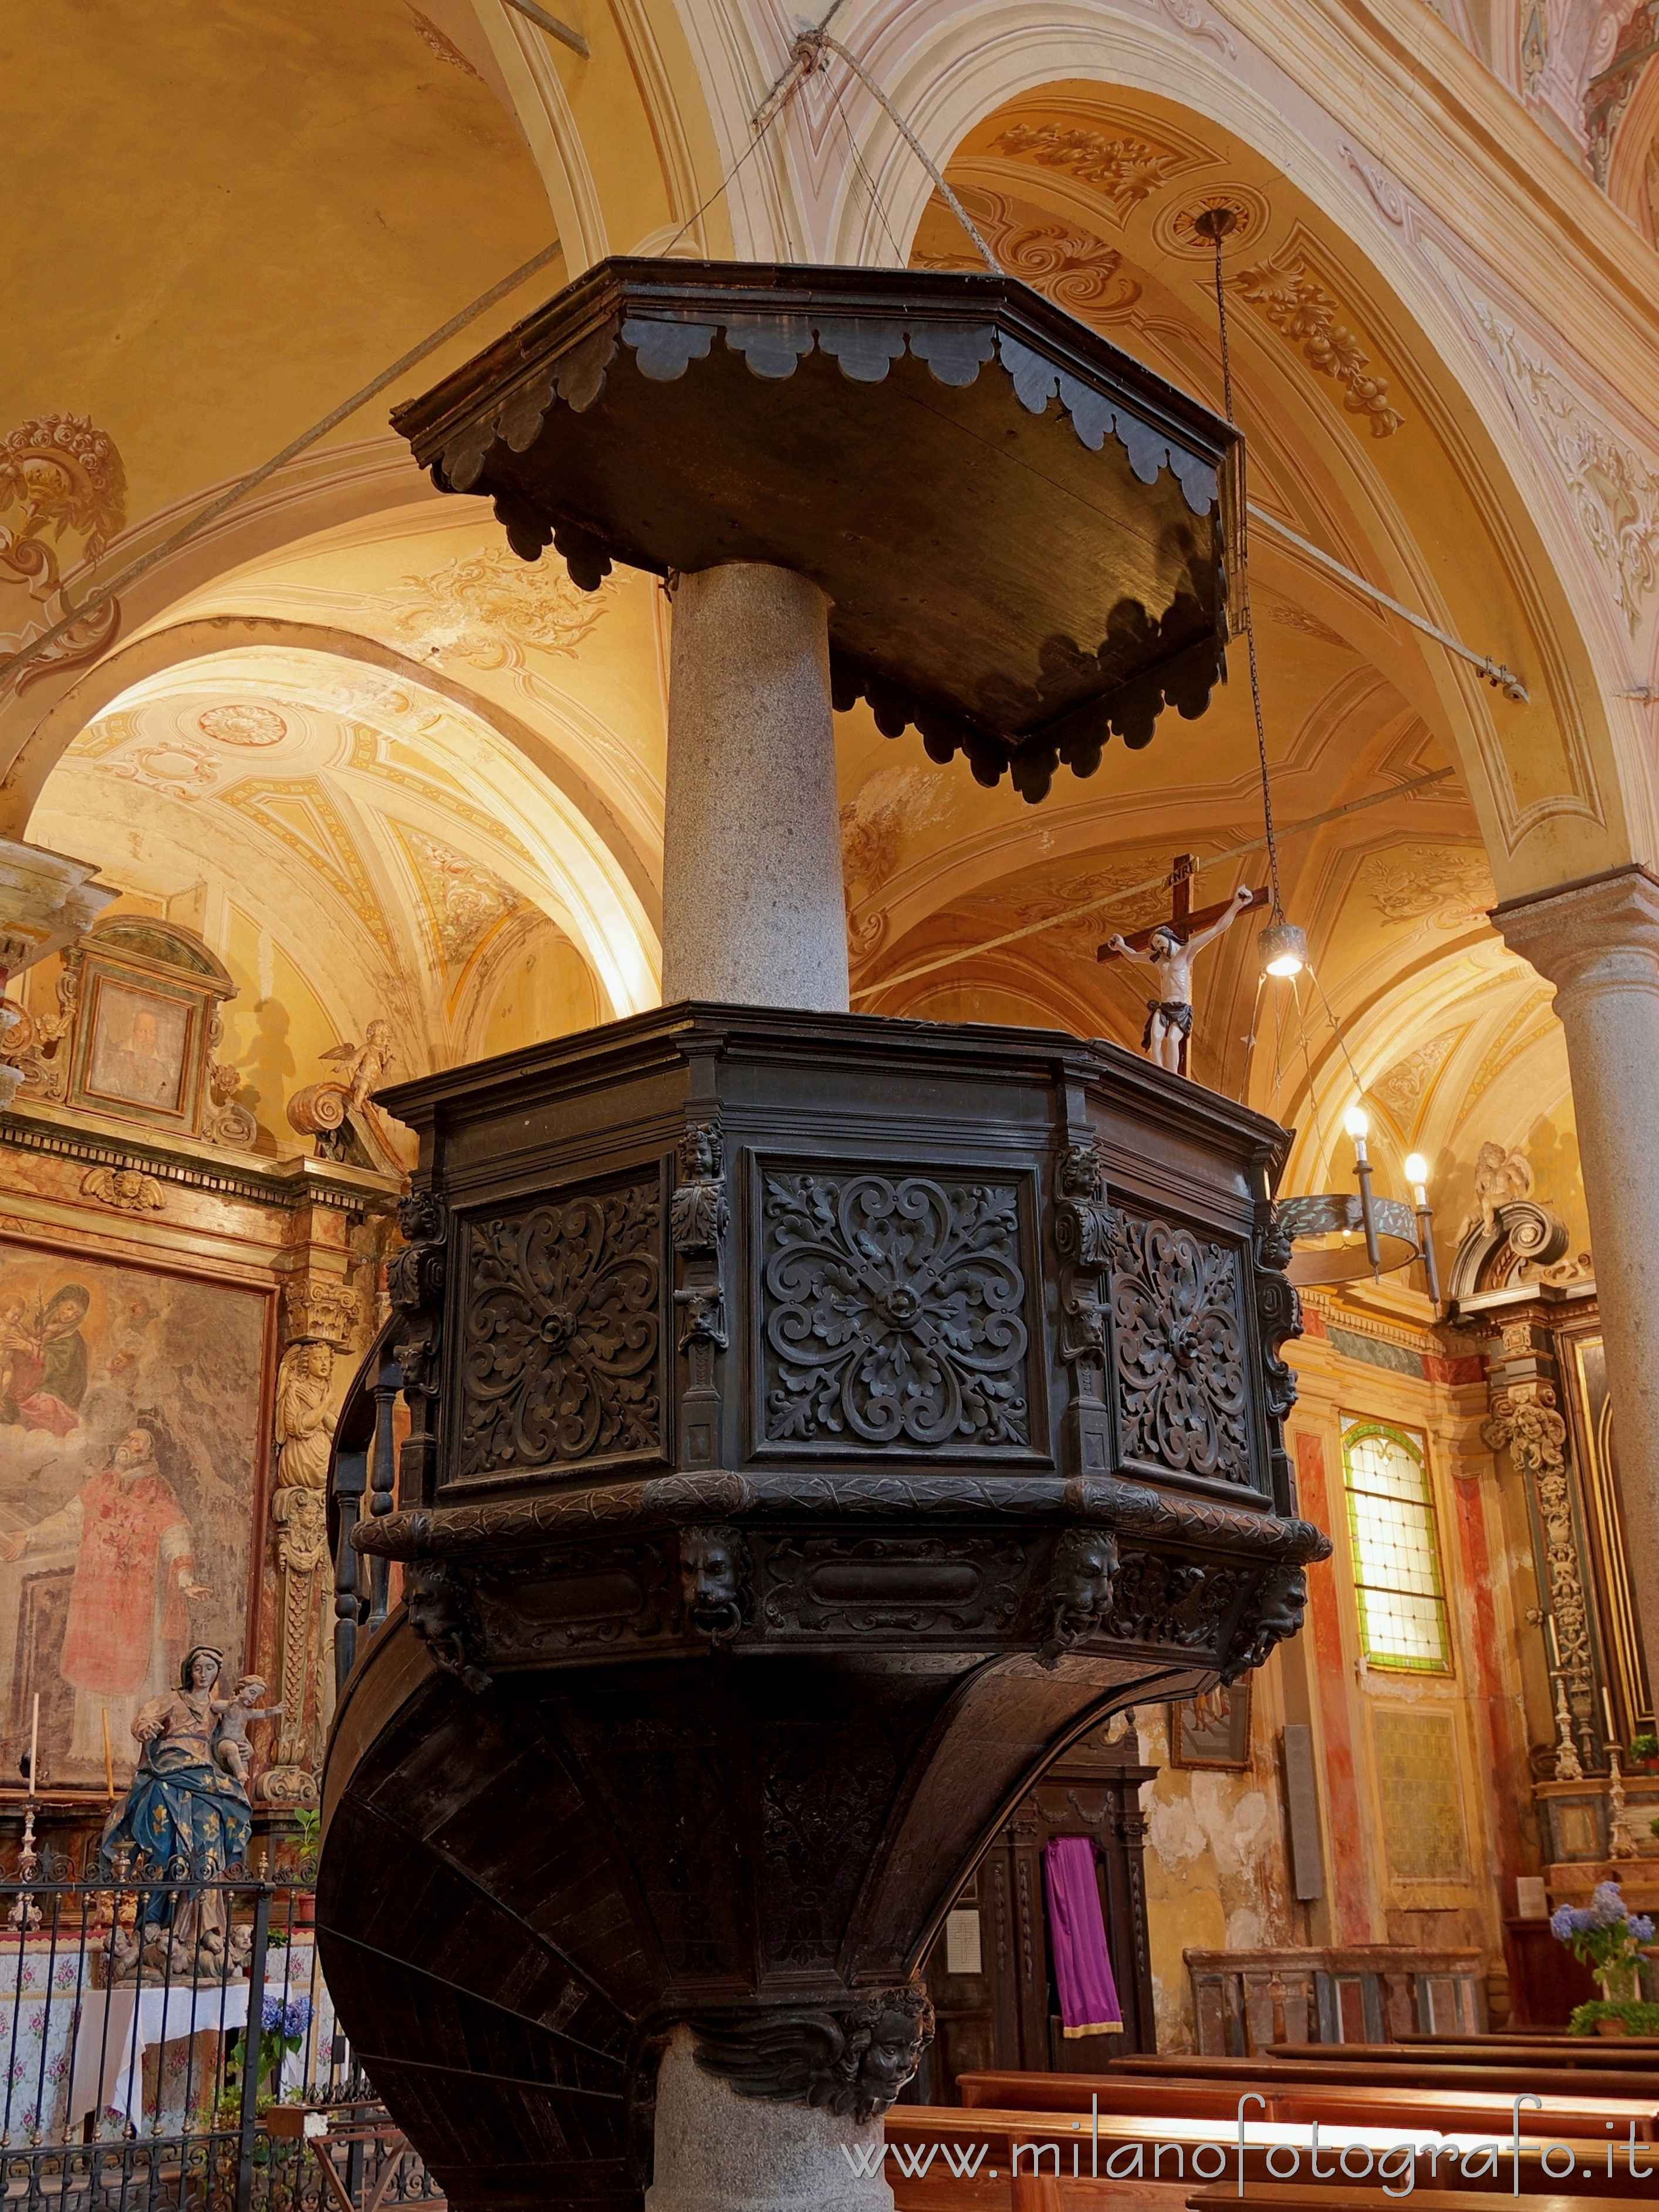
point(140, 1042)
point(143, 998)
point(1213, 1730)
point(134, 1420)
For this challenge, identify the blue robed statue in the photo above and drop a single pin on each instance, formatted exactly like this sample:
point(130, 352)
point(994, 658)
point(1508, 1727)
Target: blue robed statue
point(187, 1819)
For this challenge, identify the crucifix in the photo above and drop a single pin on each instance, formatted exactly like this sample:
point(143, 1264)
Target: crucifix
point(1166, 947)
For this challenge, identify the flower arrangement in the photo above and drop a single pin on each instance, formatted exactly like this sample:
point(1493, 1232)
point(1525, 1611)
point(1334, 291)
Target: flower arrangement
point(1608, 1940)
point(284, 2023)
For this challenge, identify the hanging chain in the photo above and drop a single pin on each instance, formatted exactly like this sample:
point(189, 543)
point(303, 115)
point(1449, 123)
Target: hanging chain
point(1208, 223)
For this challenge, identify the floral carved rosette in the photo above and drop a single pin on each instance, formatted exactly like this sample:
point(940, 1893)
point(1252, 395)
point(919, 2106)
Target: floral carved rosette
point(893, 1312)
point(561, 1333)
point(1180, 1352)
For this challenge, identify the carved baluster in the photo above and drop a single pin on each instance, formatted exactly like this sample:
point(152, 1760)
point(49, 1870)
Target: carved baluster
point(697, 1217)
point(351, 1481)
point(1279, 1317)
point(383, 1478)
point(1083, 1227)
point(415, 1278)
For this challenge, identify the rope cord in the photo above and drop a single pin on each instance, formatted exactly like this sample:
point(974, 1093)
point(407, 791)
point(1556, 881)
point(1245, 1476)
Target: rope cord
point(13, 668)
point(1277, 913)
point(821, 39)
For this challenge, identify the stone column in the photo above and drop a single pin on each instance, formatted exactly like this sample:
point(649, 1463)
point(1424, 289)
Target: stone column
point(1598, 943)
point(753, 911)
point(719, 2151)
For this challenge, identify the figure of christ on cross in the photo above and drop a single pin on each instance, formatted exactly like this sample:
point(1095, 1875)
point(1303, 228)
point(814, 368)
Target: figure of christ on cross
point(1166, 947)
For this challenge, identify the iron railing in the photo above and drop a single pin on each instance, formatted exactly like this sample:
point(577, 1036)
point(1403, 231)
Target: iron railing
point(167, 2044)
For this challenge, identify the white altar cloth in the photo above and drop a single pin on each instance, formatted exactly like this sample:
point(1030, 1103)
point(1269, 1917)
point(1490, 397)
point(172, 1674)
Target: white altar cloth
point(117, 2026)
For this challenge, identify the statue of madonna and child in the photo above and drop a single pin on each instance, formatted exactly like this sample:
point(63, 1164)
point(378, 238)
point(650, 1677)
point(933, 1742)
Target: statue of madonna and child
point(186, 1823)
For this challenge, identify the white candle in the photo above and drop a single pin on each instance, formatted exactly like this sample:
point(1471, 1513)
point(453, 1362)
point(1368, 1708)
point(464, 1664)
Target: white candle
point(1549, 1623)
point(34, 1740)
point(1607, 1707)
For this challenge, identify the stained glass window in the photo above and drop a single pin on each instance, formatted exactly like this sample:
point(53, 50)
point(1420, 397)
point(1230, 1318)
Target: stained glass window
point(1396, 1549)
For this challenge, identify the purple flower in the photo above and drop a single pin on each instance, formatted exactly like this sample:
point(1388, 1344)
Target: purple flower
point(1570, 1920)
point(289, 2018)
point(1607, 1906)
point(1640, 1927)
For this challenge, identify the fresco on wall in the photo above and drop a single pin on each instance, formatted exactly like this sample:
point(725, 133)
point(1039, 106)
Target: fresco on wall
point(129, 1454)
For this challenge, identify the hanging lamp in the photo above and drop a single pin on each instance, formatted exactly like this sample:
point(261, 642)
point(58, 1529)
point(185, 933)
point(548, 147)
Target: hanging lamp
point(1336, 1237)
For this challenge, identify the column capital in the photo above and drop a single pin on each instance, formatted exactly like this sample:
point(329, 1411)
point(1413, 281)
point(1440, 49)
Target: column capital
point(1600, 933)
point(47, 901)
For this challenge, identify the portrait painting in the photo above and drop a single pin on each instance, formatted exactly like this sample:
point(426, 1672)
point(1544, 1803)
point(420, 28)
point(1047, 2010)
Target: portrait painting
point(1213, 1730)
point(130, 1461)
point(139, 1040)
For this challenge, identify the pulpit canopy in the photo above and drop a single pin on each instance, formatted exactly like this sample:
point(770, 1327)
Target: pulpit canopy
point(1022, 532)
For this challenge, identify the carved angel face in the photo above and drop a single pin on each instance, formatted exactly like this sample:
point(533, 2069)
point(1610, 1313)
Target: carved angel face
point(899, 2034)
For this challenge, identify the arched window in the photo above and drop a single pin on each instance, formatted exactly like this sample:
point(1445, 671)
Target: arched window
point(1396, 1549)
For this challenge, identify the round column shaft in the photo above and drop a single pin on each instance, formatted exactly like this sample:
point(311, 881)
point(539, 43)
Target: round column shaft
point(1598, 943)
point(718, 2152)
point(753, 912)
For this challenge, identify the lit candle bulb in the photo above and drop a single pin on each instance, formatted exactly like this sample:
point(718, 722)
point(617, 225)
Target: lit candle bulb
point(1416, 1174)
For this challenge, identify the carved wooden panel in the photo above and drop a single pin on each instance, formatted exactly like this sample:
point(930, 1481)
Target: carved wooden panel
point(1181, 1352)
point(893, 1314)
point(561, 1333)
point(887, 1585)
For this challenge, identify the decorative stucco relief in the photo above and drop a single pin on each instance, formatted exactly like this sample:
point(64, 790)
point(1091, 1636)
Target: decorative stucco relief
point(1192, 19)
point(1122, 169)
point(1390, 201)
point(1615, 492)
point(1288, 292)
point(1402, 1089)
point(465, 901)
point(1443, 886)
point(1077, 272)
point(61, 479)
point(486, 607)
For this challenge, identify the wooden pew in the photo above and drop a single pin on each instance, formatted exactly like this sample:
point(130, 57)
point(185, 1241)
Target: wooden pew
point(1582, 2112)
point(1576, 2052)
point(1310, 2067)
point(1517, 2035)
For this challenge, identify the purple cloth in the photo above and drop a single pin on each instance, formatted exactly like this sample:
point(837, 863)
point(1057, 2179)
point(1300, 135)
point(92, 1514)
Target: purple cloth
point(1077, 1935)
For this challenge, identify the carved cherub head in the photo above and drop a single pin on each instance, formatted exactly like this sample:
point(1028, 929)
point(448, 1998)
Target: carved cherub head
point(1079, 1589)
point(699, 1152)
point(712, 1565)
point(897, 2027)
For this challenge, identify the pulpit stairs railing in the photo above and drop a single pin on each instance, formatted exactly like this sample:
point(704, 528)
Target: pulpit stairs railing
point(167, 2044)
point(364, 1473)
